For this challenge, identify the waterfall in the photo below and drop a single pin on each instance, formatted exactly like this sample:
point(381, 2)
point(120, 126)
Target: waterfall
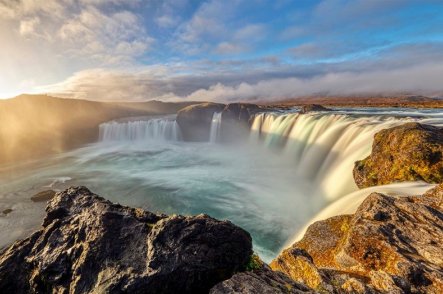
point(348, 204)
point(215, 127)
point(324, 147)
point(159, 129)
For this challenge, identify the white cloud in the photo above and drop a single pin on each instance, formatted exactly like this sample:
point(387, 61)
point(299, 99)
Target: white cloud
point(28, 26)
point(158, 83)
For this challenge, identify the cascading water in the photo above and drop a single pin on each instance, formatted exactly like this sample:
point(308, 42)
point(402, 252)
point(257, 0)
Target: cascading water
point(304, 168)
point(215, 127)
point(322, 147)
point(141, 130)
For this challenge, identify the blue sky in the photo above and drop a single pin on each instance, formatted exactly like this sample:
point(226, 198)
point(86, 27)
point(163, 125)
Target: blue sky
point(220, 50)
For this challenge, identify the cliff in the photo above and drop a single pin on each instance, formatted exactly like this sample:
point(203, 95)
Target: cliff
point(32, 126)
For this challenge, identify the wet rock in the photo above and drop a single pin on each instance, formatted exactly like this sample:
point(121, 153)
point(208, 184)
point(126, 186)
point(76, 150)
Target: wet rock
point(236, 121)
point(313, 107)
point(89, 245)
point(195, 120)
point(43, 196)
point(390, 245)
point(260, 281)
point(7, 211)
point(409, 152)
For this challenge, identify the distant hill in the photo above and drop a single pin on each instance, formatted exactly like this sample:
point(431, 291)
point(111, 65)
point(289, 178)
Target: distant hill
point(37, 125)
point(364, 101)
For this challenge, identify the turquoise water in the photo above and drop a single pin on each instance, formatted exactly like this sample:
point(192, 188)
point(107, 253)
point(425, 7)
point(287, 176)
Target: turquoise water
point(272, 185)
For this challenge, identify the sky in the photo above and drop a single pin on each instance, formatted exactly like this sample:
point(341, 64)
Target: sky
point(225, 50)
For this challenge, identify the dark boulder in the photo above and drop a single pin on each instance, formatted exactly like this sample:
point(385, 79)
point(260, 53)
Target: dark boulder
point(260, 281)
point(313, 107)
point(409, 152)
point(7, 211)
point(236, 121)
point(89, 245)
point(43, 196)
point(195, 120)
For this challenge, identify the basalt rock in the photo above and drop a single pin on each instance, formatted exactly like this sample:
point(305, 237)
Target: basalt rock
point(313, 107)
point(390, 245)
point(195, 120)
point(260, 281)
point(236, 120)
point(89, 245)
point(409, 152)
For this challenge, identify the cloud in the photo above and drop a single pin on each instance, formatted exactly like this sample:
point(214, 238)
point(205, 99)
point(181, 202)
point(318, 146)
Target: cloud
point(28, 26)
point(256, 84)
point(84, 29)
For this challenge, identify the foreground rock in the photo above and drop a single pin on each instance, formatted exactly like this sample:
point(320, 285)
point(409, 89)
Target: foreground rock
point(195, 121)
point(409, 152)
point(260, 281)
point(313, 107)
point(89, 245)
point(390, 245)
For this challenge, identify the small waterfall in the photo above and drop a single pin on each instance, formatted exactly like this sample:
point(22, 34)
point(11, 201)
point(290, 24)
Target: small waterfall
point(159, 129)
point(215, 127)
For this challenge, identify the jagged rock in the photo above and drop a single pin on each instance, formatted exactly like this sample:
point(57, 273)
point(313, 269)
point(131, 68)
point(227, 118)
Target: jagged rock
point(89, 245)
point(313, 107)
point(260, 281)
point(390, 245)
point(195, 120)
point(409, 152)
point(43, 196)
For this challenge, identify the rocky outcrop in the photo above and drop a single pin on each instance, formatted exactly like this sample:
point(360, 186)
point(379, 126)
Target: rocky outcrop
point(260, 281)
point(390, 245)
point(195, 120)
point(313, 107)
point(409, 152)
point(236, 121)
point(89, 245)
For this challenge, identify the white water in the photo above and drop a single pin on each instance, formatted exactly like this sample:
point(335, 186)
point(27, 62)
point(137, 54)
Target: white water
point(304, 166)
point(323, 147)
point(140, 130)
point(348, 204)
point(215, 127)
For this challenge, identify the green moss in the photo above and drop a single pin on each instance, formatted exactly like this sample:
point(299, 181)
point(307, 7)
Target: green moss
point(254, 263)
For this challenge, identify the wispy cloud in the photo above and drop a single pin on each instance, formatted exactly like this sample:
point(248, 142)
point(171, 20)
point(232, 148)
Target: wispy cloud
point(182, 49)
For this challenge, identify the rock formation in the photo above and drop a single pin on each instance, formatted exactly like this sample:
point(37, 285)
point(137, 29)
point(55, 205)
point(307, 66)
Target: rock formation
point(89, 245)
point(409, 152)
point(195, 120)
point(236, 121)
point(43, 196)
point(260, 281)
point(313, 107)
point(390, 245)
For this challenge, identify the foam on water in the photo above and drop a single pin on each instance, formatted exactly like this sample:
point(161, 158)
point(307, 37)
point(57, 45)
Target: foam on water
point(292, 167)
